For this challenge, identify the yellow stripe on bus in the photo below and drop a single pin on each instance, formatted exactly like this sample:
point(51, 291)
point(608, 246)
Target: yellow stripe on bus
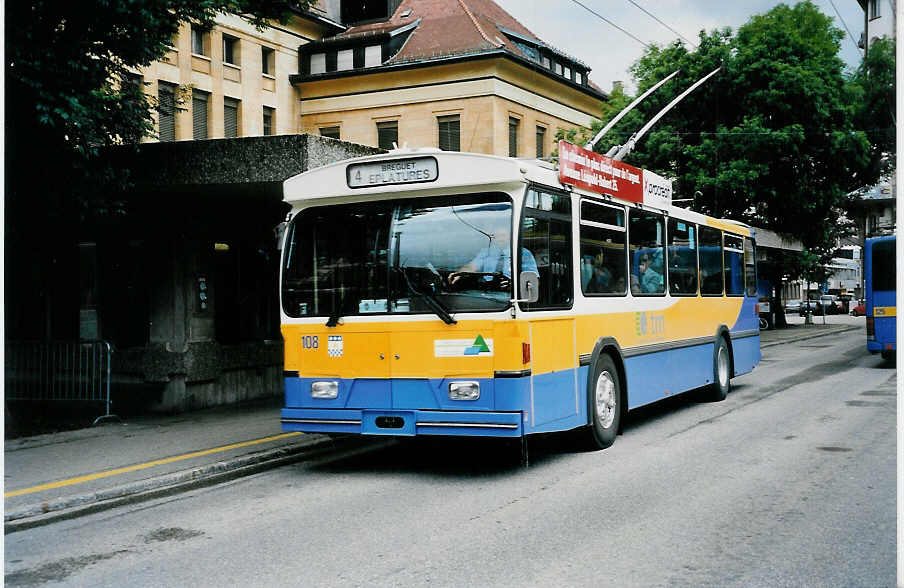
point(884, 311)
point(143, 466)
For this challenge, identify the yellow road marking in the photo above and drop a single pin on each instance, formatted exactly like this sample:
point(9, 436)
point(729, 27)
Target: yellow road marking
point(143, 466)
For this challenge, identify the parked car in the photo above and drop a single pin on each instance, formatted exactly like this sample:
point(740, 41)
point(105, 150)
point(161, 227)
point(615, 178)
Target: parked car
point(859, 308)
point(792, 306)
point(827, 304)
point(844, 303)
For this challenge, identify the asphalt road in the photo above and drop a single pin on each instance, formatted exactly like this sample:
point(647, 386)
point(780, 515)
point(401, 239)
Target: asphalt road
point(788, 482)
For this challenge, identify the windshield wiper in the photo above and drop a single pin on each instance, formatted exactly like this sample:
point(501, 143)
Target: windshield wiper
point(435, 305)
point(340, 308)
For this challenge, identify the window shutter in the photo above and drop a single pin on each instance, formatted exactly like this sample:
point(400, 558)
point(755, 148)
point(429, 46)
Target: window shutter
point(268, 120)
point(387, 134)
point(513, 136)
point(231, 117)
point(199, 114)
point(167, 112)
point(449, 133)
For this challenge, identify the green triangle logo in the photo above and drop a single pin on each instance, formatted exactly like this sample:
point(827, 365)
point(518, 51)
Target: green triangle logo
point(481, 345)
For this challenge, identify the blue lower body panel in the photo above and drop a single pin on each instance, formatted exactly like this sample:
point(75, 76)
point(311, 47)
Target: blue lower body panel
point(407, 407)
point(403, 423)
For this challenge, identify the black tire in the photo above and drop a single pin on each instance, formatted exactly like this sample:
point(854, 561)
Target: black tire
point(604, 401)
point(721, 385)
point(888, 355)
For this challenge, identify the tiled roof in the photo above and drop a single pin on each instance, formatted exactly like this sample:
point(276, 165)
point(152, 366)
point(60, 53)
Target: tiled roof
point(451, 27)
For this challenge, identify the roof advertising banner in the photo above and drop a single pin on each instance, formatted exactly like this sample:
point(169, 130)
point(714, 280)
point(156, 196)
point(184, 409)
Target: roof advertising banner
point(594, 172)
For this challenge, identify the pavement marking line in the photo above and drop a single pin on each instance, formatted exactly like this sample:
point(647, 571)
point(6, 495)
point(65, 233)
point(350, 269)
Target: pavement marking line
point(144, 466)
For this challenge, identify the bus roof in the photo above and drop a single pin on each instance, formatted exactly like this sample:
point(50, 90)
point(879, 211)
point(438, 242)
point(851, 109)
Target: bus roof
point(430, 171)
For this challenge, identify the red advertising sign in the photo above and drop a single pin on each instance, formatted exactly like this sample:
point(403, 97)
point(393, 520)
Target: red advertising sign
point(597, 173)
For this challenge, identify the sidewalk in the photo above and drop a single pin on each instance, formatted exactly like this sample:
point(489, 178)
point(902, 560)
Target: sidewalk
point(68, 474)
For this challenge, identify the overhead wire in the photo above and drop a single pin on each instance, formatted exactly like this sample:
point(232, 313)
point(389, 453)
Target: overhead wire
point(850, 34)
point(654, 17)
point(603, 18)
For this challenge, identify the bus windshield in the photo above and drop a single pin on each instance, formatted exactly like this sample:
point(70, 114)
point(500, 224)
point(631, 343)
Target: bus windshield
point(426, 255)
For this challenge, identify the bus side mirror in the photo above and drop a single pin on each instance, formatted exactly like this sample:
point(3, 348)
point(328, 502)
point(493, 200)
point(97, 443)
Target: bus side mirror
point(529, 286)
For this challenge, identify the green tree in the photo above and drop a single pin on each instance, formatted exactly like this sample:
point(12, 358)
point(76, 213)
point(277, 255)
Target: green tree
point(873, 86)
point(68, 96)
point(772, 140)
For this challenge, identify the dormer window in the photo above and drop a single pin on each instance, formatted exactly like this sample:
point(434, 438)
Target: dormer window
point(318, 63)
point(345, 59)
point(373, 56)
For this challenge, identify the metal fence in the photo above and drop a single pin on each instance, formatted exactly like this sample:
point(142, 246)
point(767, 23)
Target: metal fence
point(58, 371)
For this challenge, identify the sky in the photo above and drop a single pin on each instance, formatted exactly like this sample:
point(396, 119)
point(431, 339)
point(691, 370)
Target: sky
point(569, 27)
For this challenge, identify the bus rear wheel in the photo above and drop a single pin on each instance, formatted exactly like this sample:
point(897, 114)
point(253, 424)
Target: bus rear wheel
point(603, 404)
point(721, 385)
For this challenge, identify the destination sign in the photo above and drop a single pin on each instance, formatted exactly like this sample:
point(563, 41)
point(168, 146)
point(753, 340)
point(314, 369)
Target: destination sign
point(396, 171)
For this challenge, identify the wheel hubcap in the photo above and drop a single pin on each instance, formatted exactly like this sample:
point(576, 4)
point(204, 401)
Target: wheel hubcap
point(605, 399)
point(723, 367)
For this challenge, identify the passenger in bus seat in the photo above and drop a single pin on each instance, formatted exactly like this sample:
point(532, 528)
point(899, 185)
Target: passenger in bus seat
point(650, 279)
point(601, 280)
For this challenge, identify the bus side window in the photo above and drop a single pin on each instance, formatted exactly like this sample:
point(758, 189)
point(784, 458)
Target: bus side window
point(750, 266)
point(682, 258)
point(734, 265)
point(647, 240)
point(710, 261)
point(602, 249)
point(546, 234)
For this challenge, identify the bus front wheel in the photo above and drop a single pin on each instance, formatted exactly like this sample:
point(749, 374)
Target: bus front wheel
point(603, 404)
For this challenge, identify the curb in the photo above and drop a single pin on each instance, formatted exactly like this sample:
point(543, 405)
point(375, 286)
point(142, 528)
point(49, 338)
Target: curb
point(842, 329)
point(69, 507)
point(74, 506)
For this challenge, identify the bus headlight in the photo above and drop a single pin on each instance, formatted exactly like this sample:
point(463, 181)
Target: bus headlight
point(324, 389)
point(464, 390)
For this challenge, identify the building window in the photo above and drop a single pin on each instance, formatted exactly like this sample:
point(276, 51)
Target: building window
point(567, 73)
point(268, 120)
point(544, 59)
point(449, 133)
point(387, 134)
point(345, 59)
point(166, 109)
point(198, 38)
point(331, 132)
point(541, 142)
point(230, 117)
point(318, 63)
point(874, 9)
point(199, 114)
point(558, 68)
point(268, 61)
point(373, 56)
point(513, 136)
point(230, 50)
point(579, 78)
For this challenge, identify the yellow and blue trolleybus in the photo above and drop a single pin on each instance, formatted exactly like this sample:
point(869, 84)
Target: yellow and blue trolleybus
point(444, 293)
